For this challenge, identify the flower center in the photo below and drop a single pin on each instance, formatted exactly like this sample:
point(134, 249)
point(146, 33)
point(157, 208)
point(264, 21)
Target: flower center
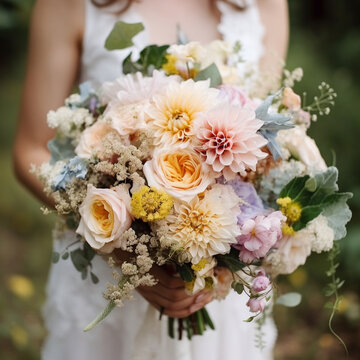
point(179, 124)
point(182, 169)
point(104, 216)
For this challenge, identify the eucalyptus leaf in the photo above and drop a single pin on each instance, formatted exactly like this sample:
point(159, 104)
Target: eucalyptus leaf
point(94, 278)
point(60, 149)
point(290, 299)
point(89, 252)
point(211, 72)
point(122, 34)
point(55, 257)
point(338, 214)
point(273, 122)
point(79, 260)
point(238, 287)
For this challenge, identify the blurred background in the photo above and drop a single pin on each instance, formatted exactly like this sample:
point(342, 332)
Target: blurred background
point(325, 42)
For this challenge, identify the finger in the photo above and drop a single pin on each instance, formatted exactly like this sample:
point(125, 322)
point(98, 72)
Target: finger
point(166, 279)
point(177, 294)
point(168, 304)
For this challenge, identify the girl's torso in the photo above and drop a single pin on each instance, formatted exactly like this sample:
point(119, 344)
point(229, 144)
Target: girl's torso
point(98, 64)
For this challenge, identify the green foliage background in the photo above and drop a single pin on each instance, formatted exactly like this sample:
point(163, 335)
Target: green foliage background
point(325, 41)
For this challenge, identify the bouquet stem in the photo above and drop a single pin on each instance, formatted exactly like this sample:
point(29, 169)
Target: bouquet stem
point(195, 324)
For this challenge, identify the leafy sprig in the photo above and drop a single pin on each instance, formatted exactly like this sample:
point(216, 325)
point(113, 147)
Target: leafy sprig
point(332, 289)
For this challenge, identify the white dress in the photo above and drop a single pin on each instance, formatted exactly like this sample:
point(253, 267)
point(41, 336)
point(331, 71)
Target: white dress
point(134, 331)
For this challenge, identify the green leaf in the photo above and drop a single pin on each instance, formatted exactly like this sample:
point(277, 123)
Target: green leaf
point(71, 222)
point(185, 272)
point(230, 261)
point(55, 257)
point(290, 299)
point(211, 72)
point(110, 307)
point(250, 319)
point(238, 287)
point(84, 273)
point(89, 252)
point(121, 35)
point(151, 57)
point(79, 260)
point(94, 278)
point(338, 214)
point(65, 256)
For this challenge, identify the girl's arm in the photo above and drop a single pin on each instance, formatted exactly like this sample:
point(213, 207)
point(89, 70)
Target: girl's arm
point(275, 17)
point(53, 58)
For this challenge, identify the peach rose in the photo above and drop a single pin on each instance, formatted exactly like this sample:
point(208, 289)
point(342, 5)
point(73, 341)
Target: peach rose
point(180, 173)
point(105, 215)
point(291, 100)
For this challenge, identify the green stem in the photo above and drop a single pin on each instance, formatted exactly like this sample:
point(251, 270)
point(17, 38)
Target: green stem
point(207, 318)
point(110, 307)
point(188, 328)
point(171, 327)
point(200, 322)
point(335, 307)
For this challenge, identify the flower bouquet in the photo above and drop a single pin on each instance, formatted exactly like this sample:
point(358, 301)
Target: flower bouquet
point(183, 162)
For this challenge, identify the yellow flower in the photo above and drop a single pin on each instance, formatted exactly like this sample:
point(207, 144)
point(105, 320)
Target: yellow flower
point(189, 286)
point(170, 66)
point(21, 286)
point(151, 204)
point(19, 336)
point(291, 209)
point(200, 265)
point(288, 230)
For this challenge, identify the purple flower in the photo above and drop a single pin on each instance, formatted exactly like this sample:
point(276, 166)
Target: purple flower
point(245, 191)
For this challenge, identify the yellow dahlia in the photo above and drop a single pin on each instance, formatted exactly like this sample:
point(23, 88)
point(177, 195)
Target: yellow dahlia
point(208, 226)
point(172, 113)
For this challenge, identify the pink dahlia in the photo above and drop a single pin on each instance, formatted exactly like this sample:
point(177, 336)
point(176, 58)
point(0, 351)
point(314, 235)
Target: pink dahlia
point(259, 235)
point(227, 137)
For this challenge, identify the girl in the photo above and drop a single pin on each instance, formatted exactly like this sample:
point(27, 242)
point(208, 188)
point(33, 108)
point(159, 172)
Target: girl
point(67, 46)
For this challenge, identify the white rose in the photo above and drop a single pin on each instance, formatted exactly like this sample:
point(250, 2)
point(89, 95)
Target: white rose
point(302, 147)
point(105, 215)
point(126, 119)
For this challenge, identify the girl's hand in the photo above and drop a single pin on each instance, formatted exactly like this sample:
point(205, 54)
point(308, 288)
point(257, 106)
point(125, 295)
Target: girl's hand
point(170, 297)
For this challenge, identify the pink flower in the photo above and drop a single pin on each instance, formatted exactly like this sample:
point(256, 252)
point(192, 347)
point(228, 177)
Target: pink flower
point(235, 96)
point(227, 138)
point(259, 235)
point(256, 304)
point(261, 282)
